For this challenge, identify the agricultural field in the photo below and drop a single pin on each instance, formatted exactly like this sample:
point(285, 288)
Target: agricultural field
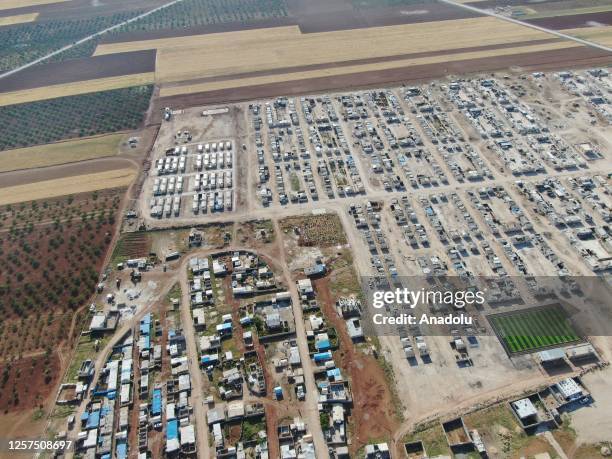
point(10, 4)
point(51, 252)
point(84, 115)
point(533, 329)
point(75, 88)
point(60, 153)
point(46, 36)
point(283, 50)
point(74, 184)
point(18, 19)
point(183, 15)
point(131, 245)
point(315, 230)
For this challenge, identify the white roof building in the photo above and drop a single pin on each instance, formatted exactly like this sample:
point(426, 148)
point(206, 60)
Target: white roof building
point(524, 408)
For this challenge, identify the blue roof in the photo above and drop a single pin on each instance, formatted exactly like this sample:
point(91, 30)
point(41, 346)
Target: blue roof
point(172, 430)
point(84, 416)
point(225, 326)
point(93, 420)
point(334, 373)
point(156, 402)
point(121, 450)
point(323, 345)
point(145, 324)
point(209, 358)
point(322, 356)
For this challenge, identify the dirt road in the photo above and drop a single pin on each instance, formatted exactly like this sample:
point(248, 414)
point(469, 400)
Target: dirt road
point(311, 413)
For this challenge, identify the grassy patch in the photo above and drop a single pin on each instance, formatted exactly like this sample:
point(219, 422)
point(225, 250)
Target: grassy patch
point(131, 245)
point(433, 438)
point(316, 230)
point(533, 329)
point(85, 349)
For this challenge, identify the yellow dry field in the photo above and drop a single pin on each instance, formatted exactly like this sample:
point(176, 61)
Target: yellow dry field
point(18, 19)
point(10, 4)
point(293, 76)
point(230, 53)
point(75, 88)
point(60, 153)
point(601, 35)
point(67, 185)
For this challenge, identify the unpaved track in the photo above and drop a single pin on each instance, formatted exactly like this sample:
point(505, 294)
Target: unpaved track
point(311, 412)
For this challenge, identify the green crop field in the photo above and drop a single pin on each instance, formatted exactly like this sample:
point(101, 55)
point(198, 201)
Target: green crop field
point(533, 329)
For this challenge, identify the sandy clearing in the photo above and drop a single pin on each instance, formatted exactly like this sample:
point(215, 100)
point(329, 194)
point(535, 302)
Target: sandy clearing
point(10, 4)
point(18, 19)
point(293, 76)
point(231, 53)
point(75, 88)
point(60, 153)
point(68, 185)
point(593, 424)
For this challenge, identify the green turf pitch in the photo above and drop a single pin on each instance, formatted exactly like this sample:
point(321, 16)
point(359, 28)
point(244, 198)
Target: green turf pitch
point(533, 329)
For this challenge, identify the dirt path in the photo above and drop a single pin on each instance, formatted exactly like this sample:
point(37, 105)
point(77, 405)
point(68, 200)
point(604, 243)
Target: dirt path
point(311, 412)
point(373, 411)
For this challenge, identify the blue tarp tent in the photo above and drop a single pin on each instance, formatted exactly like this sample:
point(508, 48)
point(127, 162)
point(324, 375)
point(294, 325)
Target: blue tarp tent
point(172, 430)
point(156, 403)
point(323, 345)
point(145, 325)
point(93, 420)
point(334, 374)
point(121, 451)
point(323, 356)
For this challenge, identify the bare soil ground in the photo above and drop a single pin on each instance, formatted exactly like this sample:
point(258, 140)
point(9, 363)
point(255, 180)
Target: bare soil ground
point(573, 21)
point(325, 15)
point(373, 413)
point(373, 60)
point(545, 60)
point(74, 70)
point(21, 177)
point(42, 375)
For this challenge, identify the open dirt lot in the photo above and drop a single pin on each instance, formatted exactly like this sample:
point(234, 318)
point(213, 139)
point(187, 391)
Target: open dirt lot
point(593, 424)
point(60, 153)
point(18, 19)
point(67, 185)
point(72, 89)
